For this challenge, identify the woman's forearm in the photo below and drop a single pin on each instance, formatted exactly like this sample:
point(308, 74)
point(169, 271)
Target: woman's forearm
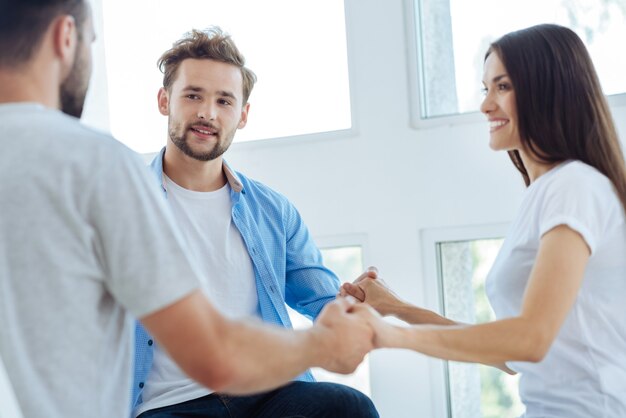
point(417, 316)
point(513, 339)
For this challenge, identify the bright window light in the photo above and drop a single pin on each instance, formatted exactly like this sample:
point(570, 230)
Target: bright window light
point(296, 48)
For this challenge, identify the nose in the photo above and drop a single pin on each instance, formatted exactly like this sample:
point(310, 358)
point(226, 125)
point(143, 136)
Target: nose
point(207, 111)
point(487, 106)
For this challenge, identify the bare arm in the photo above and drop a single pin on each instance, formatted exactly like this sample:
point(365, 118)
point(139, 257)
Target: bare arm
point(550, 294)
point(239, 357)
point(371, 289)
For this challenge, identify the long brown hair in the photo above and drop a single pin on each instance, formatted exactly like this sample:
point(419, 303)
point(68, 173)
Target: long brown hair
point(562, 112)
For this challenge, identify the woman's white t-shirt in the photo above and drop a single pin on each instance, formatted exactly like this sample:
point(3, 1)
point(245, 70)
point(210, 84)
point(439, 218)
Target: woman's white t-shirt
point(584, 372)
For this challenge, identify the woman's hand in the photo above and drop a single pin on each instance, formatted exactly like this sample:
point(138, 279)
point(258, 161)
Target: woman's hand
point(373, 290)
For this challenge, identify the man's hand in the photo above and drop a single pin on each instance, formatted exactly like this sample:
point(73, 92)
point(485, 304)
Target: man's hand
point(344, 336)
point(371, 289)
point(385, 334)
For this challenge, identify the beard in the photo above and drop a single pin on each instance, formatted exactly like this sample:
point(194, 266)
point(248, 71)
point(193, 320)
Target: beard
point(180, 139)
point(74, 89)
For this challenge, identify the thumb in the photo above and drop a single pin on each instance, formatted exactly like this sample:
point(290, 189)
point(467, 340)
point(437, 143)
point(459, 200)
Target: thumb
point(372, 272)
point(354, 291)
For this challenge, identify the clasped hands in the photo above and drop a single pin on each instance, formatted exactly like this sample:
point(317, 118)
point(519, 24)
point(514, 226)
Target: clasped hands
point(351, 329)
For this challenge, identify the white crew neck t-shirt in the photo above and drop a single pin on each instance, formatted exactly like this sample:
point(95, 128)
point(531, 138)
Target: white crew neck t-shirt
point(584, 372)
point(228, 281)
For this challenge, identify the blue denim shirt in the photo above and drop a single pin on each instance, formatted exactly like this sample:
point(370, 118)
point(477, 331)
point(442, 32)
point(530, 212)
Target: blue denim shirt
point(287, 264)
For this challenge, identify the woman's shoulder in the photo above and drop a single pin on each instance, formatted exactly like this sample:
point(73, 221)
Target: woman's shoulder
point(575, 184)
point(578, 176)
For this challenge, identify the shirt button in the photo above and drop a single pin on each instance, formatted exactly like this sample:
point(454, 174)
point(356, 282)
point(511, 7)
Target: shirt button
point(141, 385)
point(150, 342)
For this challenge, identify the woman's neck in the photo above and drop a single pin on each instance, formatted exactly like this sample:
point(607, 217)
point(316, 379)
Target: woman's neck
point(534, 167)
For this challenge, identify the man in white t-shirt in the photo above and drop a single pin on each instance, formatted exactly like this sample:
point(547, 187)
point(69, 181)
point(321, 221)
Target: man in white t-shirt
point(86, 239)
point(250, 243)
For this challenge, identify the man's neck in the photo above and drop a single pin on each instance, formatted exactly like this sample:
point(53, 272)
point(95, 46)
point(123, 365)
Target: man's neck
point(187, 172)
point(25, 84)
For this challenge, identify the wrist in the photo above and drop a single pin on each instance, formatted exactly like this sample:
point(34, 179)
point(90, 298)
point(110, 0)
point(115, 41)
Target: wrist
point(315, 344)
point(396, 309)
point(393, 337)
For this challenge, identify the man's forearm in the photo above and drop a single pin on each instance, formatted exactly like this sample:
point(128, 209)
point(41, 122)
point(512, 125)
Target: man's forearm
point(248, 356)
point(226, 355)
point(263, 356)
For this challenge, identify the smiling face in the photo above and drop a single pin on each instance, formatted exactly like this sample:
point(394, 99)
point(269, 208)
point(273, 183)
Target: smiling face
point(204, 107)
point(499, 106)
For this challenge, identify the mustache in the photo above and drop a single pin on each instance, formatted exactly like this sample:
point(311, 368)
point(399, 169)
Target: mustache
point(202, 123)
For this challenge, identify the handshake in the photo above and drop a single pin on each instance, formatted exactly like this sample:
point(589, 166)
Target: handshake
point(351, 326)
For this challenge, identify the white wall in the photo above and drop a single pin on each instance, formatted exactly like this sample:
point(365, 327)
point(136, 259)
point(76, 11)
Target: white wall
point(388, 181)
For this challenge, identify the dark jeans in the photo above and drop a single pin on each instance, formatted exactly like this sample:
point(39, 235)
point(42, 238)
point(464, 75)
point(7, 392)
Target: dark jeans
point(296, 400)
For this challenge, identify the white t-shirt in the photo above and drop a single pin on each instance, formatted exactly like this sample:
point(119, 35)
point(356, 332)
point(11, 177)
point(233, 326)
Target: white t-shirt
point(584, 372)
point(83, 230)
point(228, 281)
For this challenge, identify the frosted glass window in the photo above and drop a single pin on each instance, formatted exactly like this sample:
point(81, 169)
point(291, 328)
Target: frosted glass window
point(474, 391)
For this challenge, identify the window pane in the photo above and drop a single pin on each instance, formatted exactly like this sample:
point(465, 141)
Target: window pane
point(302, 71)
point(454, 35)
point(475, 391)
point(347, 263)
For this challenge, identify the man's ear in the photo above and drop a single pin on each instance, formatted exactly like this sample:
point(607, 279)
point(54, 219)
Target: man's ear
point(244, 116)
point(65, 39)
point(164, 102)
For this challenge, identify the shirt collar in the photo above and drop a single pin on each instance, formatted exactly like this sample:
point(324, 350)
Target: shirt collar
point(231, 176)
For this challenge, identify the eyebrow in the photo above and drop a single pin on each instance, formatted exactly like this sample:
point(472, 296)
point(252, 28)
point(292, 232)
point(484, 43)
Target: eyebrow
point(498, 78)
point(223, 93)
point(193, 88)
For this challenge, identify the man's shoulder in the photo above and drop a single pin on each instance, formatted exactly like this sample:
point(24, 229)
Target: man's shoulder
point(257, 189)
point(92, 138)
point(59, 136)
point(96, 149)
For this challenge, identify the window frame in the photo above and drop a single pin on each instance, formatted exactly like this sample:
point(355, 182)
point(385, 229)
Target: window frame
point(430, 238)
point(349, 133)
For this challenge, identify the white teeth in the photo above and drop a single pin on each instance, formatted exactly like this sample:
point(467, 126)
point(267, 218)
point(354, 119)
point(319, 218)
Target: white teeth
point(204, 132)
point(497, 123)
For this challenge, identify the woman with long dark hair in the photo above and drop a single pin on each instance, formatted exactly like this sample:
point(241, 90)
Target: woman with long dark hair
point(558, 285)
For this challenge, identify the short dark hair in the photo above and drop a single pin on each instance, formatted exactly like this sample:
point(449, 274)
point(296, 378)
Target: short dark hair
point(24, 22)
point(561, 110)
point(211, 43)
